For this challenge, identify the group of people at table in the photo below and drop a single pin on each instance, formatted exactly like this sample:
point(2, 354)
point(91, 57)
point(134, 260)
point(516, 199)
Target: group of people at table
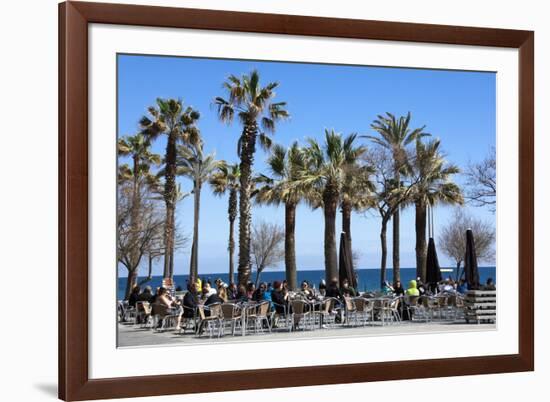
point(204, 293)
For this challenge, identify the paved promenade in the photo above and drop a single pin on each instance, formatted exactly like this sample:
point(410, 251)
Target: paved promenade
point(129, 336)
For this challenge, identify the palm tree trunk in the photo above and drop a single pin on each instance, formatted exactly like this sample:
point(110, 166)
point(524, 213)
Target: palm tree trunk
point(231, 248)
point(232, 212)
point(134, 254)
point(396, 235)
point(193, 264)
point(167, 239)
point(346, 224)
point(290, 245)
point(130, 283)
point(420, 228)
point(170, 200)
point(248, 148)
point(172, 236)
point(383, 242)
point(331, 259)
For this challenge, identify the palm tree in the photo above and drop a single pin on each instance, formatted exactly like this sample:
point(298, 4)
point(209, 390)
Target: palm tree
point(434, 186)
point(255, 109)
point(137, 148)
point(286, 166)
point(324, 178)
point(226, 179)
point(198, 167)
point(395, 134)
point(179, 125)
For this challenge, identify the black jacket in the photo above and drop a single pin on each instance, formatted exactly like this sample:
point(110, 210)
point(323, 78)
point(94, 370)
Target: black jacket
point(333, 291)
point(189, 301)
point(279, 299)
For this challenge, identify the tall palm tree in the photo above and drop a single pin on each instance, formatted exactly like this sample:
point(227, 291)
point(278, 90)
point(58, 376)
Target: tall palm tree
point(395, 134)
point(434, 185)
point(194, 164)
point(226, 179)
point(138, 149)
point(256, 110)
point(286, 166)
point(170, 118)
point(324, 178)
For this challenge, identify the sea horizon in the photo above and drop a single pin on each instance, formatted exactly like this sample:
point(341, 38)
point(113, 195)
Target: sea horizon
point(368, 278)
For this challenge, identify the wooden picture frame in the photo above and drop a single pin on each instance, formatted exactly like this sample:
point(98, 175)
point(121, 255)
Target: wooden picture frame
point(74, 17)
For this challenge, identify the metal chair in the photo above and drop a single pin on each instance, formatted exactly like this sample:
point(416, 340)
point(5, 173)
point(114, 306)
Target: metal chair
point(327, 312)
point(302, 313)
point(363, 308)
point(281, 314)
point(164, 318)
point(209, 322)
point(258, 315)
point(143, 314)
point(232, 314)
point(189, 319)
point(350, 312)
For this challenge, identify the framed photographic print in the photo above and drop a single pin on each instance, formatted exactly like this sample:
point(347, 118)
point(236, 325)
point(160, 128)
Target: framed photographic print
point(263, 200)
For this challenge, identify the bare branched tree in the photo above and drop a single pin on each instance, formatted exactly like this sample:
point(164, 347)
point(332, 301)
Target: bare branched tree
point(389, 196)
point(136, 236)
point(267, 246)
point(453, 238)
point(157, 249)
point(481, 180)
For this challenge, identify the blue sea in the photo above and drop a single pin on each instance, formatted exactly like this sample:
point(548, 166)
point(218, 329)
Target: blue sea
point(368, 279)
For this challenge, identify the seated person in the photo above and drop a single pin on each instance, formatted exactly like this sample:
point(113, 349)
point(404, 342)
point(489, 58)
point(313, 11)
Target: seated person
point(232, 292)
point(447, 286)
point(412, 289)
point(217, 298)
point(280, 298)
point(146, 295)
point(387, 289)
point(347, 290)
point(190, 301)
point(207, 290)
point(462, 286)
point(489, 285)
point(322, 287)
point(333, 290)
point(398, 289)
point(241, 293)
point(258, 294)
point(133, 298)
point(165, 302)
point(250, 289)
point(420, 286)
point(306, 291)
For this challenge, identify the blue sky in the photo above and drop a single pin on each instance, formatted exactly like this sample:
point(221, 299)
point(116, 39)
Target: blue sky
point(457, 107)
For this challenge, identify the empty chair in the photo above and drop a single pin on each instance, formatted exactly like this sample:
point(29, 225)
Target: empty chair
point(232, 314)
point(363, 308)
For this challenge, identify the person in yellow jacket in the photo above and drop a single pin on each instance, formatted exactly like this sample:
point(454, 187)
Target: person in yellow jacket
point(412, 290)
point(199, 285)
